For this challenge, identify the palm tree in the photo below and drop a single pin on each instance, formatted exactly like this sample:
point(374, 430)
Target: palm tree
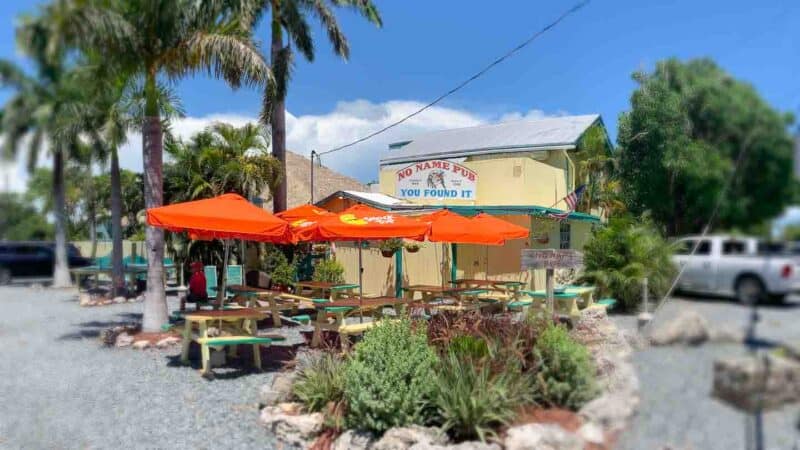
point(36, 111)
point(290, 16)
point(157, 39)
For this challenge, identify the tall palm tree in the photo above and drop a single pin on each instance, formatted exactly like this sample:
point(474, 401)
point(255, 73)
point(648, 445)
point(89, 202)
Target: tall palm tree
point(157, 39)
point(290, 17)
point(36, 110)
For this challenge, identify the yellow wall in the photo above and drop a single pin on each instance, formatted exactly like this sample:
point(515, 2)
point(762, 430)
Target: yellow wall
point(516, 179)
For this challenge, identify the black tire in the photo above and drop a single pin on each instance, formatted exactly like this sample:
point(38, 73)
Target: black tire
point(5, 276)
point(777, 299)
point(749, 290)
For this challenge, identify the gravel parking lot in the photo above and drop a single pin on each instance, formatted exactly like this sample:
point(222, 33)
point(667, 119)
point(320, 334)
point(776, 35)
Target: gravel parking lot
point(61, 389)
point(676, 408)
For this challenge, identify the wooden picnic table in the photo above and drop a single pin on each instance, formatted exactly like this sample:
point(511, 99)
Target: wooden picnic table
point(277, 301)
point(567, 301)
point(241, 321)
point(332, 316)
point(505, 290)
point(335, 290)
point(131, 271)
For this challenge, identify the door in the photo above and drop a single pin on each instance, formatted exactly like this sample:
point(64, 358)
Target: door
point(729, 264)
point(699, 273)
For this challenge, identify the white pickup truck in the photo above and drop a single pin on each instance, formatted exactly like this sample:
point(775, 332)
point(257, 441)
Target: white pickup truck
point(734, 266)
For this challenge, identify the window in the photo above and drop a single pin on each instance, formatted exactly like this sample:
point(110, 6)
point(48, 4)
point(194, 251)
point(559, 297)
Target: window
point(685, 247)
point(564, 231)
point(733, 248)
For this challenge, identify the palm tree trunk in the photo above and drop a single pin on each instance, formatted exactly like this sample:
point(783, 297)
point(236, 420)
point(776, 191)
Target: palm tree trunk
point(117, 276)
point(61, 278)
point(278, 122)
point(155, 302)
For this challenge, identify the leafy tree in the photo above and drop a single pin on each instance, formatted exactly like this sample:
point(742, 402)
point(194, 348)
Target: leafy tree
point(21, 221)
point(290, 17)
point(39, 110)
point(160, 39)
point(791, 232)
point(678, 145)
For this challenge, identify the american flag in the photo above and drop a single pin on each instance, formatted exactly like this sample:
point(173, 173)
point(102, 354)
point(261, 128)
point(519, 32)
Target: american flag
point(572, 199)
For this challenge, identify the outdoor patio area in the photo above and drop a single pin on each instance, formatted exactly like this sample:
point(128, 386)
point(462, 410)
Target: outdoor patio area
point(62, 389)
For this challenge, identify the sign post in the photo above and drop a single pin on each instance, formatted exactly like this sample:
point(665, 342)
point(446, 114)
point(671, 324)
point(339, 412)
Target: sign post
point(551, 259)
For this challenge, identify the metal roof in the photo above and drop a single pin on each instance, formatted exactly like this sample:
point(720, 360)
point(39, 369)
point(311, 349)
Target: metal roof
point(551, 133)
point(396, 205)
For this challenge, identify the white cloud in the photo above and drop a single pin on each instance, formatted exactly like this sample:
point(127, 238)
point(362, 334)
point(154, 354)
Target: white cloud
point(348, 121)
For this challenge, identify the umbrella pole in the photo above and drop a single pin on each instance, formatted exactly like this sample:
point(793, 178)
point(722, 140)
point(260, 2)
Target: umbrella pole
point(360, 285)
point(221, 293)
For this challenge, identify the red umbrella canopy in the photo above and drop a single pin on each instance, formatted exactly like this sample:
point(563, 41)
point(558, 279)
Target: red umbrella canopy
point(447, 226)
point(362, 222)
point(229, 216)
point(303, 221)
point(506, 229)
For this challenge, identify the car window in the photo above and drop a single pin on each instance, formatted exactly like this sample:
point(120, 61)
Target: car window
point(32, 250)
point(704, 248)
point(684, 247)
point(732, 247)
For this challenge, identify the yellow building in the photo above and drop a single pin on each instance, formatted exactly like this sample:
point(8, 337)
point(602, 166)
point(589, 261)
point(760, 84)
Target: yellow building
point(519, 171)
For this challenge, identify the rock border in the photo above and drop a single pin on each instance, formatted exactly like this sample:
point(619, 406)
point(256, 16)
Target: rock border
point(603, 418)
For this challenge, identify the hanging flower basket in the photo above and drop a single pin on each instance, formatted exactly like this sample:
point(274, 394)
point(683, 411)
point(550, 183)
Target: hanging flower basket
point(387, 253)
point(390, 246)
point(412, 248)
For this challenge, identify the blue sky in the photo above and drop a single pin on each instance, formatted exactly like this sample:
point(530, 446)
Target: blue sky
point(425, 47)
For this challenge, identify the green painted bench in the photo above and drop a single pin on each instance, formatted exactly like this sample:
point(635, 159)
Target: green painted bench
point(225, 341)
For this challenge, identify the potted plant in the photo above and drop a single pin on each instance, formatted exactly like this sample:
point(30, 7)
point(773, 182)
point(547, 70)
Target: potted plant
point(319, 249)
point(329, 271)
point(283, 275)
point(390, 246)
point(412, 247)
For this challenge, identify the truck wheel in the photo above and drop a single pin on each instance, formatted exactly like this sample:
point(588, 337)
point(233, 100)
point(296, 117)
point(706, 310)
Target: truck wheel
point(5, 276)
point(749, 290)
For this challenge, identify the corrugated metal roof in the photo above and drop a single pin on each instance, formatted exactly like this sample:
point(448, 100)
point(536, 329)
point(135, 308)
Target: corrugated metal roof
point(507, 137)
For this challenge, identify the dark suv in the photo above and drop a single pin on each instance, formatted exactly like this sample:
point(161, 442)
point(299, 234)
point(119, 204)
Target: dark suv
point(33, 259)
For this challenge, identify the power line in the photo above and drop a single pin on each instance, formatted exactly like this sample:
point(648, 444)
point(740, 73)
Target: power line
point(469, 80)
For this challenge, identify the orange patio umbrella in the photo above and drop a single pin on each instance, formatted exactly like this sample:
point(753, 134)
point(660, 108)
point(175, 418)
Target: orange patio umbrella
point(362, 223)
point(226, 217)
point(506, 229)
point(447, 226)
point(303, 221)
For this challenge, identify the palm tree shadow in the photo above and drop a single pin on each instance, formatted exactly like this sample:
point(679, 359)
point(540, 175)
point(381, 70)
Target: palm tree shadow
point(92, 329)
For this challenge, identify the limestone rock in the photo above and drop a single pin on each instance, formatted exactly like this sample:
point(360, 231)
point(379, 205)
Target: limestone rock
point(469, 445)
point(119, 299)
point(746, 383)
point(726, 335)
point(611, 410)
point(297, 430)
point(592, 433)
point(141, 345)
point(352, 440)
point(402, 438)
point(279, 390)
point(537, 436)
point(167, 342)
point(84, 299)
point(123, 340)
point(689, 328)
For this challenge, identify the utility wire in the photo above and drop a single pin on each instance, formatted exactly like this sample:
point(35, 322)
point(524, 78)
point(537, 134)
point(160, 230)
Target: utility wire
point(469, 80)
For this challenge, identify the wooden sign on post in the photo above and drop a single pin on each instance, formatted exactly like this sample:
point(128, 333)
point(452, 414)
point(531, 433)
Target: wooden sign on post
point(551, 259)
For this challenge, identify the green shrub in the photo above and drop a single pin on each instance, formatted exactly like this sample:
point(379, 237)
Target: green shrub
point(623, 253)
point(471, 400)
point(566, 375)
point(330, 271)
point(388, 378)
point(468, 347)
point(321, 382)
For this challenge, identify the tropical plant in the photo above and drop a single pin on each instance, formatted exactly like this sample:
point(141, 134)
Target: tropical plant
point(566, 375)
point(472, 401)
point(38, 109)
point(679, 145)
point(158, 39)
point(320, 382)
point(620, 255)
point(412, 247)
point(290, 17)
point(388, 377)
point(283, 273)
point(329, 271)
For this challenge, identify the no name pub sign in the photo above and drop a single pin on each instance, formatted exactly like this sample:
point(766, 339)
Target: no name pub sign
point(436, 179)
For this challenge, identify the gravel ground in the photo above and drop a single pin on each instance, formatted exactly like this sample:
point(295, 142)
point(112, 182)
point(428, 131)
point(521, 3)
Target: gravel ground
point(59, 388)
point(676, 408)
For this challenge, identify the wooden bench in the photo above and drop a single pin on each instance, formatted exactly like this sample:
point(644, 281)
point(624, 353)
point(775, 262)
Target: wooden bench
point(226, 341)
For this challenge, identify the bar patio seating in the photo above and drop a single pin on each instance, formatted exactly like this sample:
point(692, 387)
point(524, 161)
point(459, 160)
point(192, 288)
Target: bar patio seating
point(332, 316)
